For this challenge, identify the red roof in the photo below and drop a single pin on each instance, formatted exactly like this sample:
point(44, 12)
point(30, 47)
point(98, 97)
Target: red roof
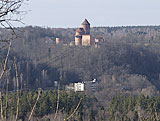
point(79, 30)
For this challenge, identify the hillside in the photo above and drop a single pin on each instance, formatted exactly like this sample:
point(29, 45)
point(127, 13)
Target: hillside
point(126, 62)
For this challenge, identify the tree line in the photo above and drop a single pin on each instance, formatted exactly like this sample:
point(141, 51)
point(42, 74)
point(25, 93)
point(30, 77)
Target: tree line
point(47, 105)
point(134, 108)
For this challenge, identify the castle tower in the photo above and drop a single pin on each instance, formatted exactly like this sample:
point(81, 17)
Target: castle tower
point(86, 27)
point(58, 40)
point(78, 36)
point(78, 40)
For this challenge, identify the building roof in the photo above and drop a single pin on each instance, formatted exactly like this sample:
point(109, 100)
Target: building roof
point(85, 22)
point(79, 30)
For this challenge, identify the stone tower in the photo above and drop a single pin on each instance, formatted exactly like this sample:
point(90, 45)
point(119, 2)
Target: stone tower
point(58, 40)
point(78, 36)
point(86, 27)
point(82, 36)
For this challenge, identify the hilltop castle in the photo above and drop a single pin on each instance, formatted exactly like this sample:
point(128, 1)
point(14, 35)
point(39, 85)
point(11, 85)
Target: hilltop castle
point(82, 36)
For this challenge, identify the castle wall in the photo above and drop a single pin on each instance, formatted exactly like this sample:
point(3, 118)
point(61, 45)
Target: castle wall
point(78, 40)
point(87, 40)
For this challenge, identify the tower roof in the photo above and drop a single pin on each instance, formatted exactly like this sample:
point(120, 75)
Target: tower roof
point(79, 30)
point(85, 22)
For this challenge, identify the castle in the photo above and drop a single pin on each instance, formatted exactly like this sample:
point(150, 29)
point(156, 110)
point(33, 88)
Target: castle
point(82, 36)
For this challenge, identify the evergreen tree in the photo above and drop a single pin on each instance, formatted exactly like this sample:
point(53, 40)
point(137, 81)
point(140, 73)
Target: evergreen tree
point(135, 116)
point(92, 116)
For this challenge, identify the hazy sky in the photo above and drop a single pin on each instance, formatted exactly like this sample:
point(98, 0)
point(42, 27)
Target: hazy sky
point(71, 13)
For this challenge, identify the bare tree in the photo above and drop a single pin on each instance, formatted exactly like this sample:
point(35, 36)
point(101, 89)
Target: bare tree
point(9, 13)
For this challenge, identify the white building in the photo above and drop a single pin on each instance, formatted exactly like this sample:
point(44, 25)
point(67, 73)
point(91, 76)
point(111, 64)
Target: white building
point(78, 87)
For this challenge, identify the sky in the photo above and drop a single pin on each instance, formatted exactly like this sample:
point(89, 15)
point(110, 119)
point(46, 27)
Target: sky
point(71, 13)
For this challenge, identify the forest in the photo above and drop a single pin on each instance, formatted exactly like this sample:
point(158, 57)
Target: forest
point(134, 108)
point(126, 62)
point(46, 105)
